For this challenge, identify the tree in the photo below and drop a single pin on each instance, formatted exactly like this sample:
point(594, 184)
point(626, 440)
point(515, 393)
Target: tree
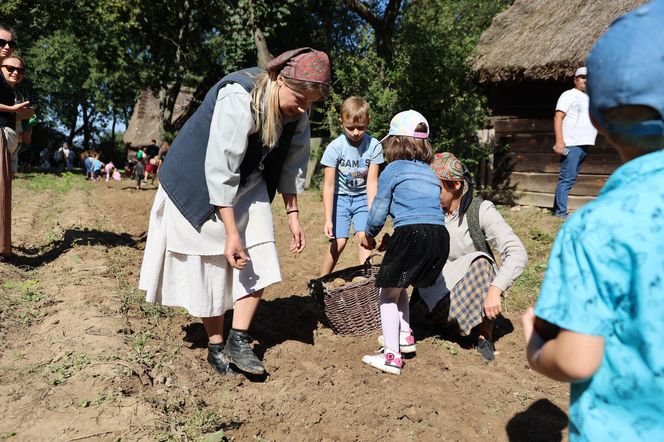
point(433, 72)
point(384, 27)
point(80, 60)
point(205, 39)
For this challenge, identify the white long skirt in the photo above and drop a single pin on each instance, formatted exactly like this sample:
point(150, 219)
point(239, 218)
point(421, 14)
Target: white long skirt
point(206, 285)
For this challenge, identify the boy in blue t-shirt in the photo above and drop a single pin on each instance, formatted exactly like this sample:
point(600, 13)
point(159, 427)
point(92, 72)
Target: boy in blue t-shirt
point(352, 162)
point(600, 317)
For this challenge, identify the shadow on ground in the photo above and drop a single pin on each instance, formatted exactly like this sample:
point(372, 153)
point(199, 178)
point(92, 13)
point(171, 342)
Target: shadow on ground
point(542, 421)
point(276, 321)
point(424, 327)
point(33, 257)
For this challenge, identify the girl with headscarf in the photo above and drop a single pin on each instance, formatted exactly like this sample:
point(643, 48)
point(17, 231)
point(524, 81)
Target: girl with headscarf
point(469, 293)
point(210, 245)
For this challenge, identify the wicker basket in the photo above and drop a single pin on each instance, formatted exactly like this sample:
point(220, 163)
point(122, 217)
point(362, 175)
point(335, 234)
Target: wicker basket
point(353, 308)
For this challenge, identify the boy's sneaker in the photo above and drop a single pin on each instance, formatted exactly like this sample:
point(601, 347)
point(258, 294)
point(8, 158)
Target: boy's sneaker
point(406, 342)
point(387, 362)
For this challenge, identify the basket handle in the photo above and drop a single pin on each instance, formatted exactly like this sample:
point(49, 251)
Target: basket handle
point(368, 262)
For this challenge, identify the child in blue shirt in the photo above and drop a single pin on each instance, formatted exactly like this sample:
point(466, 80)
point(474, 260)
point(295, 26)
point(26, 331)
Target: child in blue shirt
point(600, 319)
point(408, 191)
point(95, 167)
point(351, 165)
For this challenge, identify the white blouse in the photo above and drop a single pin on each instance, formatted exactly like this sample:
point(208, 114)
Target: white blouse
point(498, 234)
point(231, 125)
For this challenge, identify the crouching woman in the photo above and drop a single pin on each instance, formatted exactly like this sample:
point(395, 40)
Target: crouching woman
point(468, 295)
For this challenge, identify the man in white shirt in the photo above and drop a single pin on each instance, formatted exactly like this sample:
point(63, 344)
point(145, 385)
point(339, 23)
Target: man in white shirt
point(574, 134)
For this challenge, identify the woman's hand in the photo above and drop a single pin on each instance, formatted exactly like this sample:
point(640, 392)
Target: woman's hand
point(329, 229)
point(22, 107)
point(298, 242)
point(234, 252)
point(493, 302)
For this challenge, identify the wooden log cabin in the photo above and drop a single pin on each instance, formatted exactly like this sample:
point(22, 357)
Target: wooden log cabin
point(524, 61)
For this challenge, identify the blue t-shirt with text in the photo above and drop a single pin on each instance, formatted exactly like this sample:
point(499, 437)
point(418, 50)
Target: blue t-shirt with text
point(352, 163)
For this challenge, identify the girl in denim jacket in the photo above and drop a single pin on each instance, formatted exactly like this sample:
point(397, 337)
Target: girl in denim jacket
point(408, 191)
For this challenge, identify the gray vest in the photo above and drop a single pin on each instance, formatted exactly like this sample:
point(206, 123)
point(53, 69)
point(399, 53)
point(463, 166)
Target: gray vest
point(182, 175)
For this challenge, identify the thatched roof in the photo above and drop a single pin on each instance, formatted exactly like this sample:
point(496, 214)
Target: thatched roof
point(544, 39)
point(144, 124)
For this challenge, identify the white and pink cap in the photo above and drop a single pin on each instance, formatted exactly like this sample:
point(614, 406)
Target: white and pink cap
point(404, 124)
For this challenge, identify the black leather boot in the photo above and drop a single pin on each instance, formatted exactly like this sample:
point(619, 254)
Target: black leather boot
point(217, 359)
point(239, 352)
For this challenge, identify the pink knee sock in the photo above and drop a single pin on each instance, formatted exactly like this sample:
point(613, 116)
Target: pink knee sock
point(391, 316)
point(404, 312)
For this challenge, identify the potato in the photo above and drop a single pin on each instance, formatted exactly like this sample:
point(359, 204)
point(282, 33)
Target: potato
point(338, 282)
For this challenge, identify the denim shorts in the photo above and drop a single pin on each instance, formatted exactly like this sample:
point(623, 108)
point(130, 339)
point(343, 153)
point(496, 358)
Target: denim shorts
point(349, 208)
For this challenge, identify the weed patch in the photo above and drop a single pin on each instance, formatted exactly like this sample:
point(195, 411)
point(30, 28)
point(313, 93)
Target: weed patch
point(65, 367)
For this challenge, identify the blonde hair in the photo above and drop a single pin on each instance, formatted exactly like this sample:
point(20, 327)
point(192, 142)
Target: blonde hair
point(265, 103)
point(399, 147)
point(354, 110)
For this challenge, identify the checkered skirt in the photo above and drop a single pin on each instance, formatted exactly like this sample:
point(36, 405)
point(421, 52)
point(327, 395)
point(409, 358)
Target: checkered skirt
point(464, 305)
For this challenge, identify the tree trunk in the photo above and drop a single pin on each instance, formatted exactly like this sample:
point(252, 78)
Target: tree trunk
point(383, 27)
point(109, 152)
point(86, 127)
point(263, 53)
point(169, 93)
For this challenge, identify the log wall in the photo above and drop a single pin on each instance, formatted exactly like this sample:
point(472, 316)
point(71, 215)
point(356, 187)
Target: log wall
point(525, 168)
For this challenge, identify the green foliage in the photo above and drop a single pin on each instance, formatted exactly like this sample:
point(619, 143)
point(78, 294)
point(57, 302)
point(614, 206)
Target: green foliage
point(432, 71)
point(362, 73)
point(81, 67)
point(89, 59)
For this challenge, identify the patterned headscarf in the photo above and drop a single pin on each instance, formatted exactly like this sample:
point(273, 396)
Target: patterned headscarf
point(304, 64)
point(448, 167)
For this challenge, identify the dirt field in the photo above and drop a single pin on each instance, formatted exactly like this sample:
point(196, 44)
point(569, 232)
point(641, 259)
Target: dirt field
point(82, 357)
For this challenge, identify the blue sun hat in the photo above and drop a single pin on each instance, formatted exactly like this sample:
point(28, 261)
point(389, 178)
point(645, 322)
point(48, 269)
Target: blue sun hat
point(405, 123)
point(626, 67)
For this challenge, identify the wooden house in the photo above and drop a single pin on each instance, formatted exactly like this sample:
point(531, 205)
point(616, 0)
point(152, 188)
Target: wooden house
point(525, 60)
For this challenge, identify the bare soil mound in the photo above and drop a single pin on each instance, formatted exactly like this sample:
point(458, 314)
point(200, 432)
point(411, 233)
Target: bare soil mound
point(82, 357)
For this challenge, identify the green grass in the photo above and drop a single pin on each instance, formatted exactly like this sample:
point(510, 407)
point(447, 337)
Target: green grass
point(537, 230)
point(48, 182)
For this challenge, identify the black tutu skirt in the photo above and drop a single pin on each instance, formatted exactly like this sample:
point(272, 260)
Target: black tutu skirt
point(415, 256)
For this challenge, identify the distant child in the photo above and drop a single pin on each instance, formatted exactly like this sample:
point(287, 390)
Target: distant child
point(409, 191)
point(602, 293)
point(109, 168)
point(86, 158)
point(112, 172)
point(95, 167)
point(139, 168)
point(351, 165)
